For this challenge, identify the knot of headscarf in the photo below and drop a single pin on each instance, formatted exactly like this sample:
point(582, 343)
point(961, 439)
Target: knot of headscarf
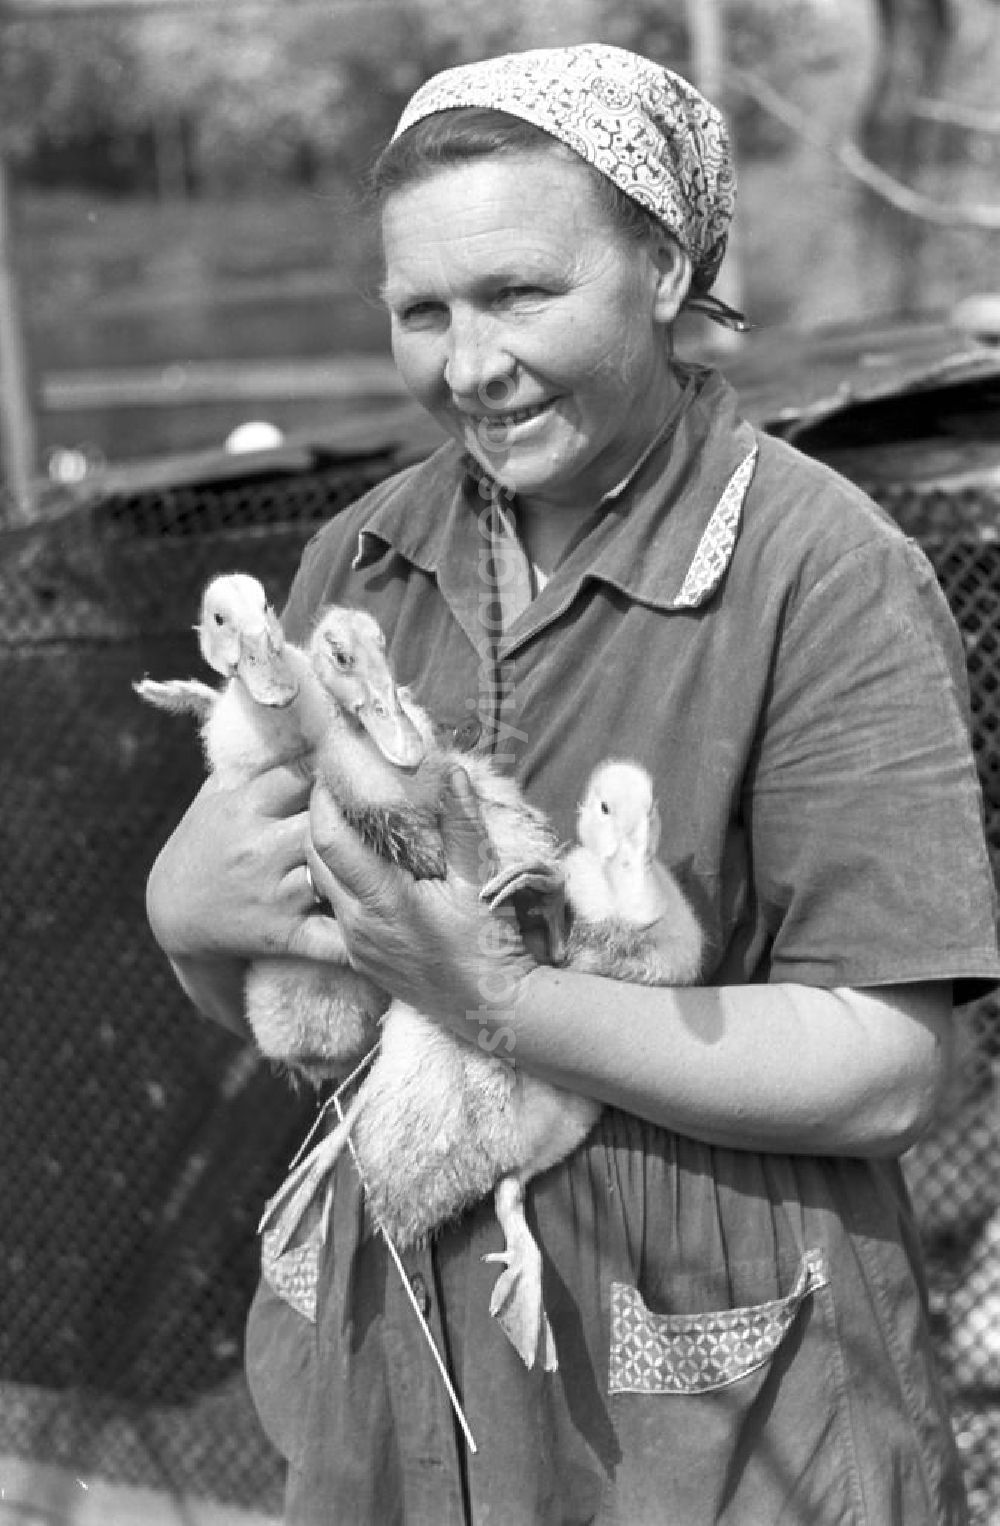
point(650, 132)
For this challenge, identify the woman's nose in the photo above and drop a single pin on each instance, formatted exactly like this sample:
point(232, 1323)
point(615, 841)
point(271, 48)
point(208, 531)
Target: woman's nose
point(477, 368)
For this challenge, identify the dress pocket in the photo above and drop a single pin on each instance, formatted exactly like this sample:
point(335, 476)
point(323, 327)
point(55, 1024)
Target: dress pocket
point(696, 1353)
point(733, 1416)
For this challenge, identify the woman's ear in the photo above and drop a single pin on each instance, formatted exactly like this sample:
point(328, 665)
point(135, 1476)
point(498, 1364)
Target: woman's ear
point(673, 279)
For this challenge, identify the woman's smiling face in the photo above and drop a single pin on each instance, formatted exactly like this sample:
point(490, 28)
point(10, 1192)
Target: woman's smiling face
point(528, 325)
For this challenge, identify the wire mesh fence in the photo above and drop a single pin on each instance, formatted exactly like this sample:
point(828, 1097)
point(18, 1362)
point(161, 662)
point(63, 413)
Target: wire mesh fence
point(139, 1144)
point(953, 1172)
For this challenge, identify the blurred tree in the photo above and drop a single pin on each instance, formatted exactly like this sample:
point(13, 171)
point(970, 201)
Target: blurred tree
point(177, 100)
point(70, 88)
point(914, 40)
point(778, 39)
point(247, 102)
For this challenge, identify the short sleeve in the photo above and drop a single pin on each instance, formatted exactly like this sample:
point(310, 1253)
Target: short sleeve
point(863, 804)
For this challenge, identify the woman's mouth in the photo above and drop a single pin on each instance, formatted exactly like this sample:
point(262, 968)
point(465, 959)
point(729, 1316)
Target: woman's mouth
point(498, 423)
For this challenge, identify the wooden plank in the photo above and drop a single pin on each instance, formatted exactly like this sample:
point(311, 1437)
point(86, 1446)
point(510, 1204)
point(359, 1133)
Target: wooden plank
point(350, 377)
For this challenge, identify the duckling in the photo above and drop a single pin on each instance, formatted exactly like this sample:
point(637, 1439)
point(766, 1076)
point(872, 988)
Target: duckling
point(631, 921)
point(348, 658)
point(317, 1021)
point(377, 789)
point(270, 703)
point(276, 707)
point(392, 795)
point(438, 1123)
point(418, 1075)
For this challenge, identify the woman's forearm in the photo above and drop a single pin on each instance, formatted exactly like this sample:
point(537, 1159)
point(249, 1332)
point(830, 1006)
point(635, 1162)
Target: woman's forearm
point(786, 1068)
point(215, 986)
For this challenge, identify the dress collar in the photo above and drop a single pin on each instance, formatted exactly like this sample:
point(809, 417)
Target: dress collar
point(664, 536)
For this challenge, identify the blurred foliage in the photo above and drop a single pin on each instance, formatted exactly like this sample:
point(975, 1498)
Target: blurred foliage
point(183, 102)
point(782, 40)
point(51, 93)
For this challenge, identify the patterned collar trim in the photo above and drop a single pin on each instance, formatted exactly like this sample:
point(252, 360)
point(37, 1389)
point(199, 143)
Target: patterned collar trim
point(665, 540)
point(715, 549)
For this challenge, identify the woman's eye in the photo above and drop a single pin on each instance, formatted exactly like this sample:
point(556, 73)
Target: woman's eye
point(519, 293)
point(419, 312)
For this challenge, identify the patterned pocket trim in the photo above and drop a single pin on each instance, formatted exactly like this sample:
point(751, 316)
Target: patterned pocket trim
point(294, 1273)
point(696, 1353)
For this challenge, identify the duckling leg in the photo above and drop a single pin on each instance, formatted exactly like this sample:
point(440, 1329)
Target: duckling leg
point(517, 1298)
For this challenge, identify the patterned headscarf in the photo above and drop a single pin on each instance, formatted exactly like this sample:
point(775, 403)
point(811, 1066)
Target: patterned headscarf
point(645, 128)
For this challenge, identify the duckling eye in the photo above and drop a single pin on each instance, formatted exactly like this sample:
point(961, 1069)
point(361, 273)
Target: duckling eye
point(605, 808)
point(341, 658)
point(218, 618)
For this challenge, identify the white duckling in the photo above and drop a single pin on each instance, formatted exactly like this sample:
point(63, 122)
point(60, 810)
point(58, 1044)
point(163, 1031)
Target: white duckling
point(274, 708)
point(317, 1020)
point(438, 1123)
point(270, 706)
point(630, 919)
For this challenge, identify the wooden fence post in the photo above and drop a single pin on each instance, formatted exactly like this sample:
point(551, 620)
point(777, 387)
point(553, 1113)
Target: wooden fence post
point(708, 66)
point(17, 429)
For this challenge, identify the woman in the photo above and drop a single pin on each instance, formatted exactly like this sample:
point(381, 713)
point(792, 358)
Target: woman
point(607, 560)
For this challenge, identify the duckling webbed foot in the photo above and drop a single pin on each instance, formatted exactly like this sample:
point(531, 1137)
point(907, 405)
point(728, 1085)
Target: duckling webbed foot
point(537, 894)
point(516, 1302)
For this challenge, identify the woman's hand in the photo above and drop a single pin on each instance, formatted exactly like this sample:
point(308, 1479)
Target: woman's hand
point(231, 882)
point(431, 943)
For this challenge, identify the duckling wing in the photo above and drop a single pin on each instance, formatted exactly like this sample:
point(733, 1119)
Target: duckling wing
point(178, 696)
point(403, 836)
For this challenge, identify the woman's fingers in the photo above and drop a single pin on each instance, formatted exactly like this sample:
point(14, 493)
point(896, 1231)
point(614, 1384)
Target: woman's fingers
point(431, 942)
point(275, 792)
point(319, 936)
point(231, 879)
